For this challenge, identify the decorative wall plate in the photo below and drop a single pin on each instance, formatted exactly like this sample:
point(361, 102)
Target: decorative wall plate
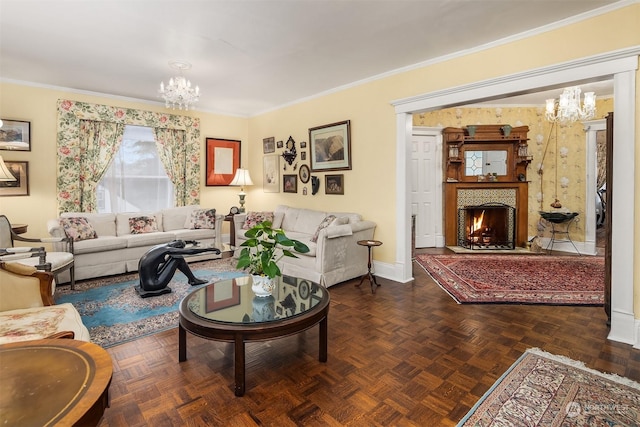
point(305, 174)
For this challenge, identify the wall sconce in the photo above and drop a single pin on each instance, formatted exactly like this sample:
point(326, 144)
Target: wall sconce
point(241, 179)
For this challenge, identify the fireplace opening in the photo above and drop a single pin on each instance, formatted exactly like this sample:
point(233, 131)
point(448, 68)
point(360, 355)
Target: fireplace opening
point(487, 226)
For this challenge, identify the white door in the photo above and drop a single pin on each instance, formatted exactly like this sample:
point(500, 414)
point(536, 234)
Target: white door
point(426, 186)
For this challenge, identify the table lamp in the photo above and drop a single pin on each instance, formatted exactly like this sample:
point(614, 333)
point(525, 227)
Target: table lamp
point(241, 179)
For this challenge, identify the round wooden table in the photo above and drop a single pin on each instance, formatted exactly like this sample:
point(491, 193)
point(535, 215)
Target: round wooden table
point(53, 382)
point(369, 275)
point(19, 228)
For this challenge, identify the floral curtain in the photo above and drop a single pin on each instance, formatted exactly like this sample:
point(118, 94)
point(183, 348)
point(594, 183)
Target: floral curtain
point(98, 142)
point(171, 149)
point(70, 193)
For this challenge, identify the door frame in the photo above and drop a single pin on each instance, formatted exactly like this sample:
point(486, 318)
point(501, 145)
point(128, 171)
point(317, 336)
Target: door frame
point(622, 65)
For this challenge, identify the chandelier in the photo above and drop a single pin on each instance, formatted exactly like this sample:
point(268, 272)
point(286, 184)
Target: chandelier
point(179, 93)
point(568, 110)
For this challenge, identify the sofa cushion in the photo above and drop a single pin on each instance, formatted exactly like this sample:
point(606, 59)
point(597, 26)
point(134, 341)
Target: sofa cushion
point(254, 218)
point(122, 221)
point(174, 218)
point(201, 218)
point(149, 239)
point(101, 244)
point(78, 228)
point(196, 234)
point(103, 224)
point(328, 220)
point(308, 221)
point(143, 224)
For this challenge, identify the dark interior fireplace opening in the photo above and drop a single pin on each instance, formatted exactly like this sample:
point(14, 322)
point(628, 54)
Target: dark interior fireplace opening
point(487, 226)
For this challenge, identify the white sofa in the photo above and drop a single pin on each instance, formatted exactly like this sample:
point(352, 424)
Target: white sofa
point(115, 250)
point(334, 257)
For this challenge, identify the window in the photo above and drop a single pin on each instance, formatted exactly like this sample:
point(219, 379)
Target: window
point(136, 180)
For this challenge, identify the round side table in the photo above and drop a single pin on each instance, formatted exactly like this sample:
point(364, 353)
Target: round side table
point(372, 279)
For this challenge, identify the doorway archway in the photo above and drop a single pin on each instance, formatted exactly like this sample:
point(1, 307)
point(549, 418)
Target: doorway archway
point(622, 66)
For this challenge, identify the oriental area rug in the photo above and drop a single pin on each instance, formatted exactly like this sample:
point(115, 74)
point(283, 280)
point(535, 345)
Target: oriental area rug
point(114, 313)
point(518, 279)
point(542, 389)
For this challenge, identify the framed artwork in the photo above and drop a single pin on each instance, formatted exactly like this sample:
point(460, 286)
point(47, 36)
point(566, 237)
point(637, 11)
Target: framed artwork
point(223, 294)
point(330, 147)
point(223, 158)
point(271, 173)
point(269, 145)
point(334, 184)
point(304, 173)
point(19, 187)
point(15, 135)
point(290, 183)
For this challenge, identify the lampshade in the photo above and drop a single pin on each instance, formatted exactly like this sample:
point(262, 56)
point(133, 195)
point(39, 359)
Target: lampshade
point(5, 175)
point(241, 178)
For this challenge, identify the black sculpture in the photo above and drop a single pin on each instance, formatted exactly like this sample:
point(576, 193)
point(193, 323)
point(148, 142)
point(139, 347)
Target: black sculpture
point(157, 267)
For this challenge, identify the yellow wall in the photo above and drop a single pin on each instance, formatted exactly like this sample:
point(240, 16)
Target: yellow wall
point(370, 186)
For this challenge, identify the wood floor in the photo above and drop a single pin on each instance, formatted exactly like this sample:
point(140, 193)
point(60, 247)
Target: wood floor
point(406, 356)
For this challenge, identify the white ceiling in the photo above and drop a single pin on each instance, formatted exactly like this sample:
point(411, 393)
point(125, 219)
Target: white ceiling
point(251, 56)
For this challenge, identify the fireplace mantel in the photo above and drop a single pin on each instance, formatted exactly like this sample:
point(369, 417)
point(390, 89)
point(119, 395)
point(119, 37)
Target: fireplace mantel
point(518, 192)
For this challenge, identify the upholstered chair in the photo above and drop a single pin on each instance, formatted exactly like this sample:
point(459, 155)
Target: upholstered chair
point(38, 257)
point(27, 309)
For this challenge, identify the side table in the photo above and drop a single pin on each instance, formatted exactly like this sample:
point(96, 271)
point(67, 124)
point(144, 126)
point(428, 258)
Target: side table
point(232, 229)
point(372, 279)
point(19, 228)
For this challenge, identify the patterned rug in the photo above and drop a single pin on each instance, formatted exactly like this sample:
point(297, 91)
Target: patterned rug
point(523, 279)
point(114, 312)
point(542, 389)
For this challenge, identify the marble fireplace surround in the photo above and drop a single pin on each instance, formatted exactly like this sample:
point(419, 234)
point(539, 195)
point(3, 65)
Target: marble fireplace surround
point(458, 195)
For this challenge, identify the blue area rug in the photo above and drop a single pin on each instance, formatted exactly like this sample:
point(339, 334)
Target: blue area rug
point(114, 313)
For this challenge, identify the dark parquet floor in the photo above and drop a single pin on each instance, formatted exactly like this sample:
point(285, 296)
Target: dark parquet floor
point(406, 356)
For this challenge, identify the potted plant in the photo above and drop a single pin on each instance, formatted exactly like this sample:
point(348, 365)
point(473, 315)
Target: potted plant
point(261, 252)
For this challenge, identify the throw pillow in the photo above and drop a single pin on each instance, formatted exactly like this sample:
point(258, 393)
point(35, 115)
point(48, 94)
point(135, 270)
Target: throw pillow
point(201, 218)
point(324, 224)
point(255, 218)
point(78, 228)
point(143, 224)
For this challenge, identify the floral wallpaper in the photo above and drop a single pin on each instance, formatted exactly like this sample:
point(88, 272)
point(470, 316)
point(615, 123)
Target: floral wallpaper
point(70, 113)
point(558, 153)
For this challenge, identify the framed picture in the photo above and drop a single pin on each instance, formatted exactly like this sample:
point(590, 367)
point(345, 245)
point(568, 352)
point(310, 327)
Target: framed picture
point(15, 135)
point(330, 147)
point(334, 184)
point(19, 187)
point(271, 173)
point(223, 158)
point(304, 173)
point(268, 145)
point(290, 183)
point(223, 294)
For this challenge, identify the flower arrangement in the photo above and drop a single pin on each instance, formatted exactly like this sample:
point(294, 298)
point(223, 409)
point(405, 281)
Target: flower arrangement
point(264, 247)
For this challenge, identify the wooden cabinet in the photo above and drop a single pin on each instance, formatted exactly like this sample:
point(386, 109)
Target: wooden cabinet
point(495, 153)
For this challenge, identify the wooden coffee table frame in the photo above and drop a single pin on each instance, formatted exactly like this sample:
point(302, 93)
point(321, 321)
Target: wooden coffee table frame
point(240, 333)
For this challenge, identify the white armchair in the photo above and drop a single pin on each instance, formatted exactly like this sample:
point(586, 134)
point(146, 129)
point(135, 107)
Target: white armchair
point(27, 310)
point(38, 257)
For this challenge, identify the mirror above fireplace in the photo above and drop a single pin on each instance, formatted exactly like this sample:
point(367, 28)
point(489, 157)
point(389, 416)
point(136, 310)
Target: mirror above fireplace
point(486, 151)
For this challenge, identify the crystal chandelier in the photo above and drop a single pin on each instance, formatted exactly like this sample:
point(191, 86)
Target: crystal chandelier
point(567, 109)
point(179, 93)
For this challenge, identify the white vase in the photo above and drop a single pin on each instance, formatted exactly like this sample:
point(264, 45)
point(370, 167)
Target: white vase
point(262, 286)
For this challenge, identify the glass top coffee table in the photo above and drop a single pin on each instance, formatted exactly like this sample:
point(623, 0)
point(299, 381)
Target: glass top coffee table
point(229, 310)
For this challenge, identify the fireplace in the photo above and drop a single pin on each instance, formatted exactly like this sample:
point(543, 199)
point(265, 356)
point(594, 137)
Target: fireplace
point(487, 226)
